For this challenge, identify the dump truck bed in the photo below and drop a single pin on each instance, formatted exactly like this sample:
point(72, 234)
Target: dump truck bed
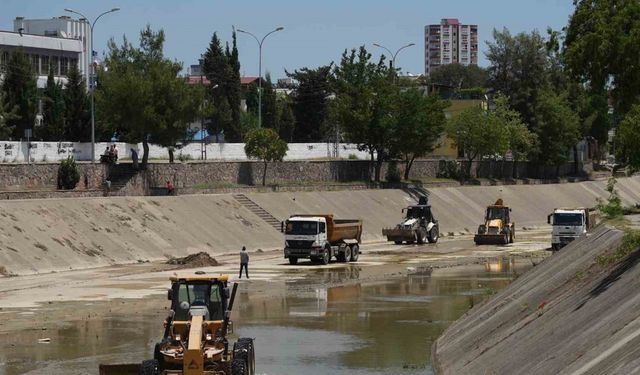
point(339, 230)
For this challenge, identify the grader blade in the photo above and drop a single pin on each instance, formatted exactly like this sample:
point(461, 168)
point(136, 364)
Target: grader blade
point(122, 369)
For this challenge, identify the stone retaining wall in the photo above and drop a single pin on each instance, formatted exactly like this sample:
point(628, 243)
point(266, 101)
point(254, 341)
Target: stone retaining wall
point(207, 175)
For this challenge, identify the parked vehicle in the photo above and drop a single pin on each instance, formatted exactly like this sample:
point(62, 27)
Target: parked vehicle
point(321, 237)
point(569, 224)
point(418, 225)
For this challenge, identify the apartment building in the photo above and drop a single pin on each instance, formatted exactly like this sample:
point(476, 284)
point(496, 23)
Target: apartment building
point(450, 42)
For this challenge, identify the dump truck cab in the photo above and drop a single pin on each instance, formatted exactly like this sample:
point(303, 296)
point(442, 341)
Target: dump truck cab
point(497, 227)
point(569, 224)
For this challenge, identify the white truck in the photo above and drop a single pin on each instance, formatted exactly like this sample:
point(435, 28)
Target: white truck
point(569, 224)
point(321, 237)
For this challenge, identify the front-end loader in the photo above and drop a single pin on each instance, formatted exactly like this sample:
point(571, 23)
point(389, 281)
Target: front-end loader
point(497, 228)
point(418, 225)
point(195, 333)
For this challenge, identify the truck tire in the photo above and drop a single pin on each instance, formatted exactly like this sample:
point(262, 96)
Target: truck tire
point(244, 349)
point(343, 254)
point(397, 242)
point(355, 253)
point(434, 234)
point(555, 247)
point(421, 236)
point(293, 260)
point(326, 256)
point(149, 367)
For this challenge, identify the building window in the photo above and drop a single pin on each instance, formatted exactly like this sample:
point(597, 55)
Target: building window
point(64, 66)
point(44, 63)
point(4, 59)
point(55, 65)
point(73, 62)
point(35, 63)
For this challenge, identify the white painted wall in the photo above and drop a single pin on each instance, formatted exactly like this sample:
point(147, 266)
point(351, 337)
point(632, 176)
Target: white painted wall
point(16, 152)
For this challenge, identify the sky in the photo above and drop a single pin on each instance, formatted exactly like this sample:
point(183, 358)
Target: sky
point(315, 33)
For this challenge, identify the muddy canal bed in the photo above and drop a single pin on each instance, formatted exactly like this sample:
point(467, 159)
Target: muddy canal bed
point(355, 327)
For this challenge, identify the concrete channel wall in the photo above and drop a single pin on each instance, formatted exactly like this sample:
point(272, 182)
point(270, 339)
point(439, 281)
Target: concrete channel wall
point(61, 234)
point(568, 315)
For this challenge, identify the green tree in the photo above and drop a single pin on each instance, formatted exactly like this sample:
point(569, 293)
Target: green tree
point(141, 94)
point(222, 69)
point(518, 69)
point(479, 133)
point(21, 92)
point(460, 76)
point(602, 48)
point(627, 140)
point(557, 128)
point(78, 128)
point(522, 142)
point(286, 120)
point(251, 97)
point(53, 126)
point(269, 108)
point(179, 103)
point(7, 114)
point(420, 121)
point(310, 99)
point(265, 145)
point(364, 100)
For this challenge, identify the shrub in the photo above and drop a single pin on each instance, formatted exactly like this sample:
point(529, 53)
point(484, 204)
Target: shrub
point(449, 169)
point(630, 243)
point(612, 209)
point(393, 174)
point(68, 174)
point(353, 157)
point(185, 157)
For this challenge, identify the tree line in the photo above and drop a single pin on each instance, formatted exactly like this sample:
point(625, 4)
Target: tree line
point(547, 92)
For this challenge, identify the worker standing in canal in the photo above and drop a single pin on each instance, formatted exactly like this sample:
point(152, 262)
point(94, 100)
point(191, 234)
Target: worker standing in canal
point(244, 262)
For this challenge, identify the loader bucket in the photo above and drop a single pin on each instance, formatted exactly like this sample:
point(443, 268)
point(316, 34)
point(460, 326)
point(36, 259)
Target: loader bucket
point(395, 234)
point(122, 369)
point(489, 239)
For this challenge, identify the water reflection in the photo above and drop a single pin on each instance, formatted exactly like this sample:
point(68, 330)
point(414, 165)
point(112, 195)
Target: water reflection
point(329, 323)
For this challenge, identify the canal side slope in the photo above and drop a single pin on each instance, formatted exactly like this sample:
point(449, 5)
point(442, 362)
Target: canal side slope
point(46, 235)
point(569, 315)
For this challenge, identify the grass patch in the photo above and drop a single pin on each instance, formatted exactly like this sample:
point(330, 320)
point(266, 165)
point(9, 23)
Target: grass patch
point(630, 242)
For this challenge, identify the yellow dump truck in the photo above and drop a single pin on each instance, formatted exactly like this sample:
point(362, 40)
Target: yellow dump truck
point(195, 333)
point(320, 237)
point(498, 227)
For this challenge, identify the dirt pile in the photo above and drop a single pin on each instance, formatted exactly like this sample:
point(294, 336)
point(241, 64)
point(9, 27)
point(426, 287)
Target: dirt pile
point(194, 260)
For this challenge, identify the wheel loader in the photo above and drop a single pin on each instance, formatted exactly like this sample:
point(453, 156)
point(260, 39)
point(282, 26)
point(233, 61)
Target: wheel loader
point(195, 333)
point(497, 228)
point(418, 225)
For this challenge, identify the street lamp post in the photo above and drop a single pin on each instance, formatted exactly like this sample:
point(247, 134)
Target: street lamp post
point(393, 55)
point(260, 41)
point(91, 68)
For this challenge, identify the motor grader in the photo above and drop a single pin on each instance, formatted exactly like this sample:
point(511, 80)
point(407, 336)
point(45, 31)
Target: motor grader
point(497, 228)
point(195, 333)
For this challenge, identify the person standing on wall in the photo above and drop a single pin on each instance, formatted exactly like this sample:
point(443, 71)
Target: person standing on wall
point(134, 158)
point(244, 262)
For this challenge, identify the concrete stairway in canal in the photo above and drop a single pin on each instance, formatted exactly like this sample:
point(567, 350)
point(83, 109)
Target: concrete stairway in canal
point(257, 210)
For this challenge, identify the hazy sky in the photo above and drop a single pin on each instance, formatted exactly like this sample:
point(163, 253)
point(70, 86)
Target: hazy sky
point(316, 32)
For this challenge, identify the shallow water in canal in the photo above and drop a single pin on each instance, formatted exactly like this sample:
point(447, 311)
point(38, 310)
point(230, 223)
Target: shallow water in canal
point(382, 327)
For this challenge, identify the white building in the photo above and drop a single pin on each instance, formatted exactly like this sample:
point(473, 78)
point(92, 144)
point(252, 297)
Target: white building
point(450, 42)
point(59, 42)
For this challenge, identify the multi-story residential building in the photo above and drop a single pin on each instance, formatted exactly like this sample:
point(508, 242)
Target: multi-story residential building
point(450, 42)
point(58, 42)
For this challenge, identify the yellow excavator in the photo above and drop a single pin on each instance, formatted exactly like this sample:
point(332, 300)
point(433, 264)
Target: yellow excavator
point(497, 227)
point(195, 336)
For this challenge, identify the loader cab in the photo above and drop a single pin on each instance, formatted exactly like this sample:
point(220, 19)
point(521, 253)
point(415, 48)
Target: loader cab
point(419, 212)
point(207, 295)
point(498, 213)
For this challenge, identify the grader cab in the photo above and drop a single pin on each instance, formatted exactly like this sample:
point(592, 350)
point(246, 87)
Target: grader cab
point(195, 333)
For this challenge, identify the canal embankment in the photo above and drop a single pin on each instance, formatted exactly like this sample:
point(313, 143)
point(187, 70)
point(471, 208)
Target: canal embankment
point(578, 312)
